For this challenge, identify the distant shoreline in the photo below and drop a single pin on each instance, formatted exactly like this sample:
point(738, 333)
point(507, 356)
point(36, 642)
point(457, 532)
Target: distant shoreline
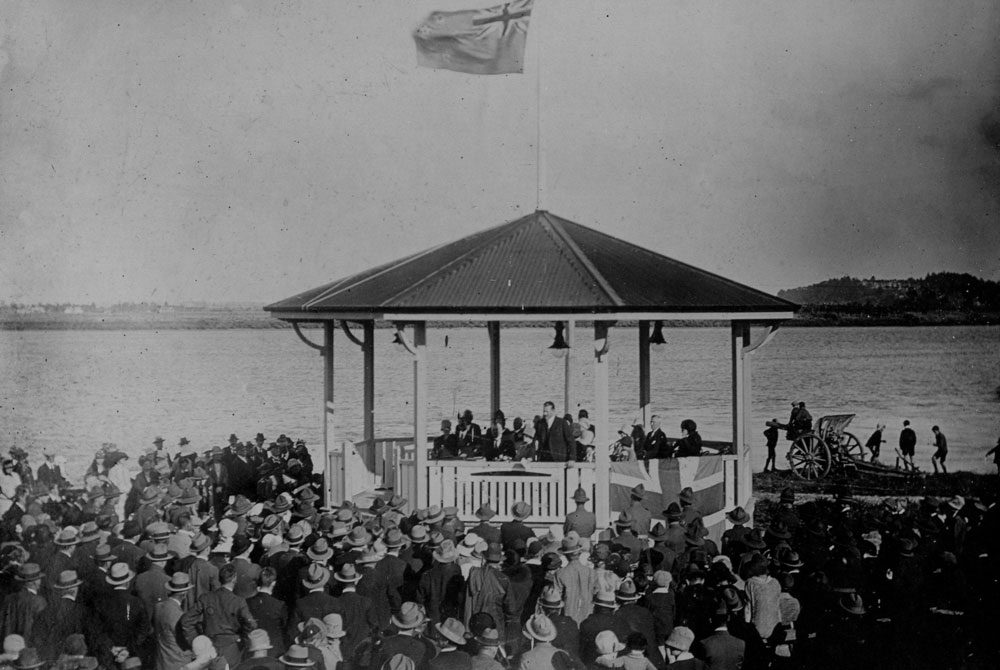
point(222, 319)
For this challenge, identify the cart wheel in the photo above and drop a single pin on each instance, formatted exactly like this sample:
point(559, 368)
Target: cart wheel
point(851, 447)
point(809, 457)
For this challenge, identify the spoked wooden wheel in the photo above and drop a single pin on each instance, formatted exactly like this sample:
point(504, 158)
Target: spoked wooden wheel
point(850, 447)
point(809, 457)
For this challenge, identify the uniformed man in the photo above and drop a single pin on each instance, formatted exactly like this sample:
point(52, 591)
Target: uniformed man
point(222, 616)
point(689, 513)
point(582, 520)
point(641, 516)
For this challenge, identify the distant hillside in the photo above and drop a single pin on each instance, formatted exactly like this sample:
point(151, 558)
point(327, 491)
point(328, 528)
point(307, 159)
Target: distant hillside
point(945, 291)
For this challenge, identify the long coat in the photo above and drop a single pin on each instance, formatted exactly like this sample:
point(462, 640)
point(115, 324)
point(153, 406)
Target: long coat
point(60, 619)
point(169, 654)
point(441, 591)
point(488, 590)
point(19, 613)
point(578, 584)
point(271, 615)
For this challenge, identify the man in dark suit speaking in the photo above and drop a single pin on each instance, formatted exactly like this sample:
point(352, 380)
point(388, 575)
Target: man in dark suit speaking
point(555, 436)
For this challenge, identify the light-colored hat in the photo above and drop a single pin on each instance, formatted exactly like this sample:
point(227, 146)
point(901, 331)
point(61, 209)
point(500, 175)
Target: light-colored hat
point(316, 576)
point(347, 574)
point(67, 537)
point(410, 616)
point(334, 626)
point(119, 574)
point(680, 638)
point(446, 553)
point(297, 656)
point(179, 582)
point(67, 579)
point(258, 640)
point(540, 627)
point(607, 643)
point(468, 545)
point(452, 629)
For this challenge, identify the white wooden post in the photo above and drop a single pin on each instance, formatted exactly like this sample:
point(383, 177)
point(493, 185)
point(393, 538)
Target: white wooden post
point(420, 411)
point(329, 433)
point(568, 380)
point(602, 457)
point(740, 338)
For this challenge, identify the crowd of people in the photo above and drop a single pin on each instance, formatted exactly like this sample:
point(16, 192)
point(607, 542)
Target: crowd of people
point(228, 559)
point(558, 438)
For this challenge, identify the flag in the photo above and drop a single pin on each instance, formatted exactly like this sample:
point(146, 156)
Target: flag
point(475, 41)
point(663, 480)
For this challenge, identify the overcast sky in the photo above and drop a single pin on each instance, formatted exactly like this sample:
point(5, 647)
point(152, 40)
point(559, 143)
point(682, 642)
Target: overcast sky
point(250, 150)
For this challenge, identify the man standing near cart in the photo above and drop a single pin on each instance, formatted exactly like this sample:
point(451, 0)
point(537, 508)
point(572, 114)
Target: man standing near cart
point(907, 445)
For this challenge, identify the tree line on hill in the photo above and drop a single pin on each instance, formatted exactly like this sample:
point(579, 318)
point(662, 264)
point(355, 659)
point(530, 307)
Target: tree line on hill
point(938, 292)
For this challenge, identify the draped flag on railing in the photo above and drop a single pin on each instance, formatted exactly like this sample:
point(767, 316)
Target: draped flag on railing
point(476, 41)
point(663, 481)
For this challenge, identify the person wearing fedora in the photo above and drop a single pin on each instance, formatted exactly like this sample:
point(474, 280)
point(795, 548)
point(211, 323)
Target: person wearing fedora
point(637, 619)
point(510, 531)
point(674, 534)
point(732, 538)
point(486, 529)
point(641, 517)
point(297, 656)
point(122, 620)
point(357, 610)
point(601, 619)
point(450, 637)
point(258, 653)
point(316, 603)
point(581, 520)
point(541, 632)
point(270, 613)
point(407, 640)
point(151, 584)
point(223, 617)
point(391, 570)
point(20, 610)
point(442, 586)
point(64, 615)
point(550, 603)
point(487, 644)
point(488, 590)
point(167, 613)
point(577, 581)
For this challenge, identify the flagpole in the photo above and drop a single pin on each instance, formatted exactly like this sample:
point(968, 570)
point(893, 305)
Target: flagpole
point(539, 169)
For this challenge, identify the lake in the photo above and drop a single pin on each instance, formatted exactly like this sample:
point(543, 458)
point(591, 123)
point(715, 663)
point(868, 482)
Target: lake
point(70, 391)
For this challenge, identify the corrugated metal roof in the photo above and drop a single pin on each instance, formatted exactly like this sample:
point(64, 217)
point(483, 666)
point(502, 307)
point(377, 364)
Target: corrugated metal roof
point(538, 263)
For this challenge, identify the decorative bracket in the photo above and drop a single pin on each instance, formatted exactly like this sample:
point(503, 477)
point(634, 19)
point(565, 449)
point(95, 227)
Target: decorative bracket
point(772, 330)
point(601, 344)
point(309, 343)
point(402, 339)
point(350, 335)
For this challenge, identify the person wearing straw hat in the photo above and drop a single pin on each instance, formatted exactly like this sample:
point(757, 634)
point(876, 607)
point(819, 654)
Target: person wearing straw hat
point(515, 529)
point(297, 656)
point(223, 616)
point(20, 610)
point(450, 637)
point(66, 542)
point(441, 586)
point(391, 569)
point(578, 581)
point(357, 610)
point(166, 614)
